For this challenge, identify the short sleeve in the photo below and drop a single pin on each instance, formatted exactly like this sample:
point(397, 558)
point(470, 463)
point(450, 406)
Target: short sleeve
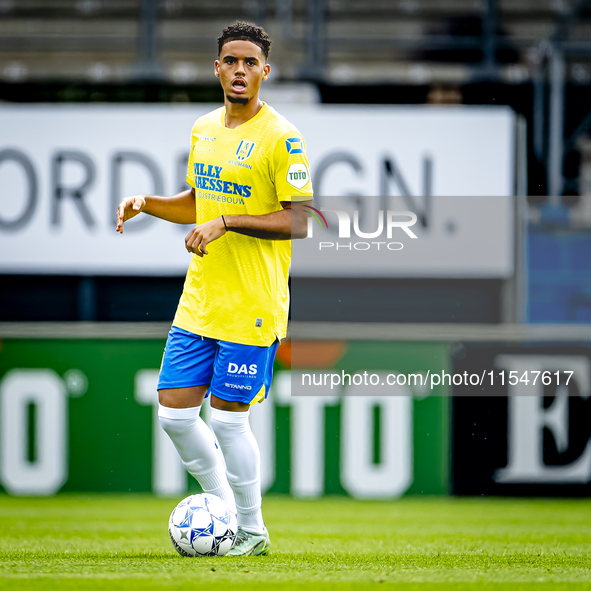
point(291, 171)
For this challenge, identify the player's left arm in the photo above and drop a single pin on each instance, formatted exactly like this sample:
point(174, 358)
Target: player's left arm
point(288, 223)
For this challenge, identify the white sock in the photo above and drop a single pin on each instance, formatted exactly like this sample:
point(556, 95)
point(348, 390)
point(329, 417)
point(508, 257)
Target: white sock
point(198, 448)
point(243, 462)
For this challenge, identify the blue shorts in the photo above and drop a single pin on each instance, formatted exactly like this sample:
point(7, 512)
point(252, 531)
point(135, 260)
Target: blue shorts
point(234, 372)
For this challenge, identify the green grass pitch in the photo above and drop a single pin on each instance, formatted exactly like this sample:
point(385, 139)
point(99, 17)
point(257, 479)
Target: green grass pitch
point(116, 542)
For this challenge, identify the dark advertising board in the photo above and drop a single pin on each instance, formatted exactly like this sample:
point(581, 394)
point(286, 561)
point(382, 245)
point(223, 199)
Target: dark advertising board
point(523, 427)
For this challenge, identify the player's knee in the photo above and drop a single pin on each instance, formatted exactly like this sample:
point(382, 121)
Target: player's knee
point(177, 421)
point(228, 425)
point(222, 430)
point(175, 426)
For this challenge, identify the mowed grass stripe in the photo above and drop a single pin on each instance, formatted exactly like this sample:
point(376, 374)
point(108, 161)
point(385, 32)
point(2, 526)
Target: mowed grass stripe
point(121, 541)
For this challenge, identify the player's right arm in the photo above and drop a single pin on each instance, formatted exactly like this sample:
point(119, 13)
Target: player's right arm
point(179, 209)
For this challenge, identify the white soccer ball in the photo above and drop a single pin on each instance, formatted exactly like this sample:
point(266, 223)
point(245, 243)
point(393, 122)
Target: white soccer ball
point(202, 525)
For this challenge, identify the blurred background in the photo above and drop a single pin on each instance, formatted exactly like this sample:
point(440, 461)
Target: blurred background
point(472, 113)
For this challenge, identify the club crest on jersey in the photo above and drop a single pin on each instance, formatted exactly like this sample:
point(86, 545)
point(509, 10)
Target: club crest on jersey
point(244, 150)
point(294, 145)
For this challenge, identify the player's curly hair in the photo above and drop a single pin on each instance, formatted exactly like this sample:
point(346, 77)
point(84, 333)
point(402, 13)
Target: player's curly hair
point(242, 31)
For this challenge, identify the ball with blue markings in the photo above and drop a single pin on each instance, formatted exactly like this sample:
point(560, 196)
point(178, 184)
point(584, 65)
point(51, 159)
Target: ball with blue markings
point(202, 525)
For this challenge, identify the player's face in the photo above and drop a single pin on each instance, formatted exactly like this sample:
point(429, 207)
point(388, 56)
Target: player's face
point(241, 69)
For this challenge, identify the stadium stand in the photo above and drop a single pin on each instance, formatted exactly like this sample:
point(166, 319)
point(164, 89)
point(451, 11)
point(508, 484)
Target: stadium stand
point(407, 41)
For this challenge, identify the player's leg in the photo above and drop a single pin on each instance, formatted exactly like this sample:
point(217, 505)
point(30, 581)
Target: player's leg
point(242, 375)
point(243, 460)
point(185, 374)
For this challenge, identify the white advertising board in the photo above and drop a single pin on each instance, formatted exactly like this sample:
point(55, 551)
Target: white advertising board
point(64, 168)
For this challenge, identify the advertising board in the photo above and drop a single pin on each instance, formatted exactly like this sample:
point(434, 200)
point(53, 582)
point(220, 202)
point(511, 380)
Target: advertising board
point(80, 415)
point(64, 169)
point(526, 430)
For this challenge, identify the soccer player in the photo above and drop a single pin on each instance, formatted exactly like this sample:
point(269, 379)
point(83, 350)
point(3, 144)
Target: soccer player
point(249, 179)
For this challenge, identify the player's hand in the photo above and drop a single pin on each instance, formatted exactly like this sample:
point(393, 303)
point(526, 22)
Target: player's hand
point(200, 236)
point(128, 209)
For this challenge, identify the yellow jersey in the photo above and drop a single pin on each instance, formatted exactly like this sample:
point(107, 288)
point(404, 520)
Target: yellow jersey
point(238, 292)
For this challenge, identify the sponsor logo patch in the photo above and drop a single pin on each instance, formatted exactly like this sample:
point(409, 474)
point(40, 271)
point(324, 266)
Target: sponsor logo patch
point(298, 175)
point(294, 145)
